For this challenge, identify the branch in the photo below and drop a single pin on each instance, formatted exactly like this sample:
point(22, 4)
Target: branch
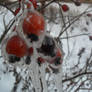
point(76, 76)
point(75, 36)
point(6, 31)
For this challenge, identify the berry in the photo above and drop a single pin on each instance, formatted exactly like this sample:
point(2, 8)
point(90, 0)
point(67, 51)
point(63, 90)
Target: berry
point(30, 51)
point(58, 53)
point(16, 46)
point(34, 23)
point(65, 7)
point(89, 15)
point(78, 2)
point(40, 60)
point(17, 11)
point(33, 2)
point(90, 37)
point(48, 46)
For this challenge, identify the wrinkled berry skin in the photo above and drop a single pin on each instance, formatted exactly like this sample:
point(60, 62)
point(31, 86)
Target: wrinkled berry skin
point(50, 51)
point(48, 47)
point(16, 46)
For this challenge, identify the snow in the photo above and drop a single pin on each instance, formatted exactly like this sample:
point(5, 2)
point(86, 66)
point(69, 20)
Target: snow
point(75, 44)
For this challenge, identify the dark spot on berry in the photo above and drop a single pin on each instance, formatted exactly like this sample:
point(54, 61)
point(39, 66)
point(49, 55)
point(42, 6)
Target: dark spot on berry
point(17, 58)
point(57, 61)
point(52, 54)
point(28, 60)
point(33, 37)
point(90, 37)
point(13, 59)
point(40, 60)
point(39, 63)
point(48, 46)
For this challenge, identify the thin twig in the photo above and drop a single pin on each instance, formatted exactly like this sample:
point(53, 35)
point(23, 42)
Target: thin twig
point(76, 76)
point(74, 21)
point(75, 36)
point(46, 5)
point(6, 31)
point(7, 8)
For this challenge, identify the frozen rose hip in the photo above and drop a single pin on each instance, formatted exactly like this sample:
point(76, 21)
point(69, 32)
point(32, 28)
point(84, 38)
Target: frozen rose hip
point(17, 11)
point(34, 23)
point(33, 2)
point(16, 46)
point(65, 7)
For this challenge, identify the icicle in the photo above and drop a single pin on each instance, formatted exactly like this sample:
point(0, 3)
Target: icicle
point(35, 70)
point(43, 77)
point(58, 81)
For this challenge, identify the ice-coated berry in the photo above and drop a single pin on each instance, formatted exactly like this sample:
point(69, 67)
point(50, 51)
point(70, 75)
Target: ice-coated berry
point(16, 46)
point(48, 46)
point(33, 23)
point(65, 7)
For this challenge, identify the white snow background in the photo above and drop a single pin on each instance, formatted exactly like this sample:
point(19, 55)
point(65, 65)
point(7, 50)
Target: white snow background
point(76, 43)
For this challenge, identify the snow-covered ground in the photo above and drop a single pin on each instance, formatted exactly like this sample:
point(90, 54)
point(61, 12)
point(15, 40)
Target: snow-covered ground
point(75, 45)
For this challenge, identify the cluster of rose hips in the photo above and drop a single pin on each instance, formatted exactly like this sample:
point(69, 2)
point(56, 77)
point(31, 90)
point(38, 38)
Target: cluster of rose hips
point(32, 37)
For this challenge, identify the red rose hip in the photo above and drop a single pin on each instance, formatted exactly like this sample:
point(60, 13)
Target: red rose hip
point(33, 2)
point(17, 11)
point(65, 7)
point(16, 46)
point(34, 23)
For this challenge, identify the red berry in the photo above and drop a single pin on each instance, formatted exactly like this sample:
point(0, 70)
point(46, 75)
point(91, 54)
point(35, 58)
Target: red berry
point(89, 15)
point(16, 46)
point(33, 23)
point(90, 37)
point(78, 2)
point(33, 2)
point(30, 51)
point(17, 11)
point(65, 7)
point(40, 60)
point(58, 53)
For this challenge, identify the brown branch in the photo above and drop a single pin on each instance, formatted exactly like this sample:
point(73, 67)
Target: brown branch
point(6, 31)
point(3, 5)
point(69, 1)
point(75, 36)
point(46, 5)
point(76, 76)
